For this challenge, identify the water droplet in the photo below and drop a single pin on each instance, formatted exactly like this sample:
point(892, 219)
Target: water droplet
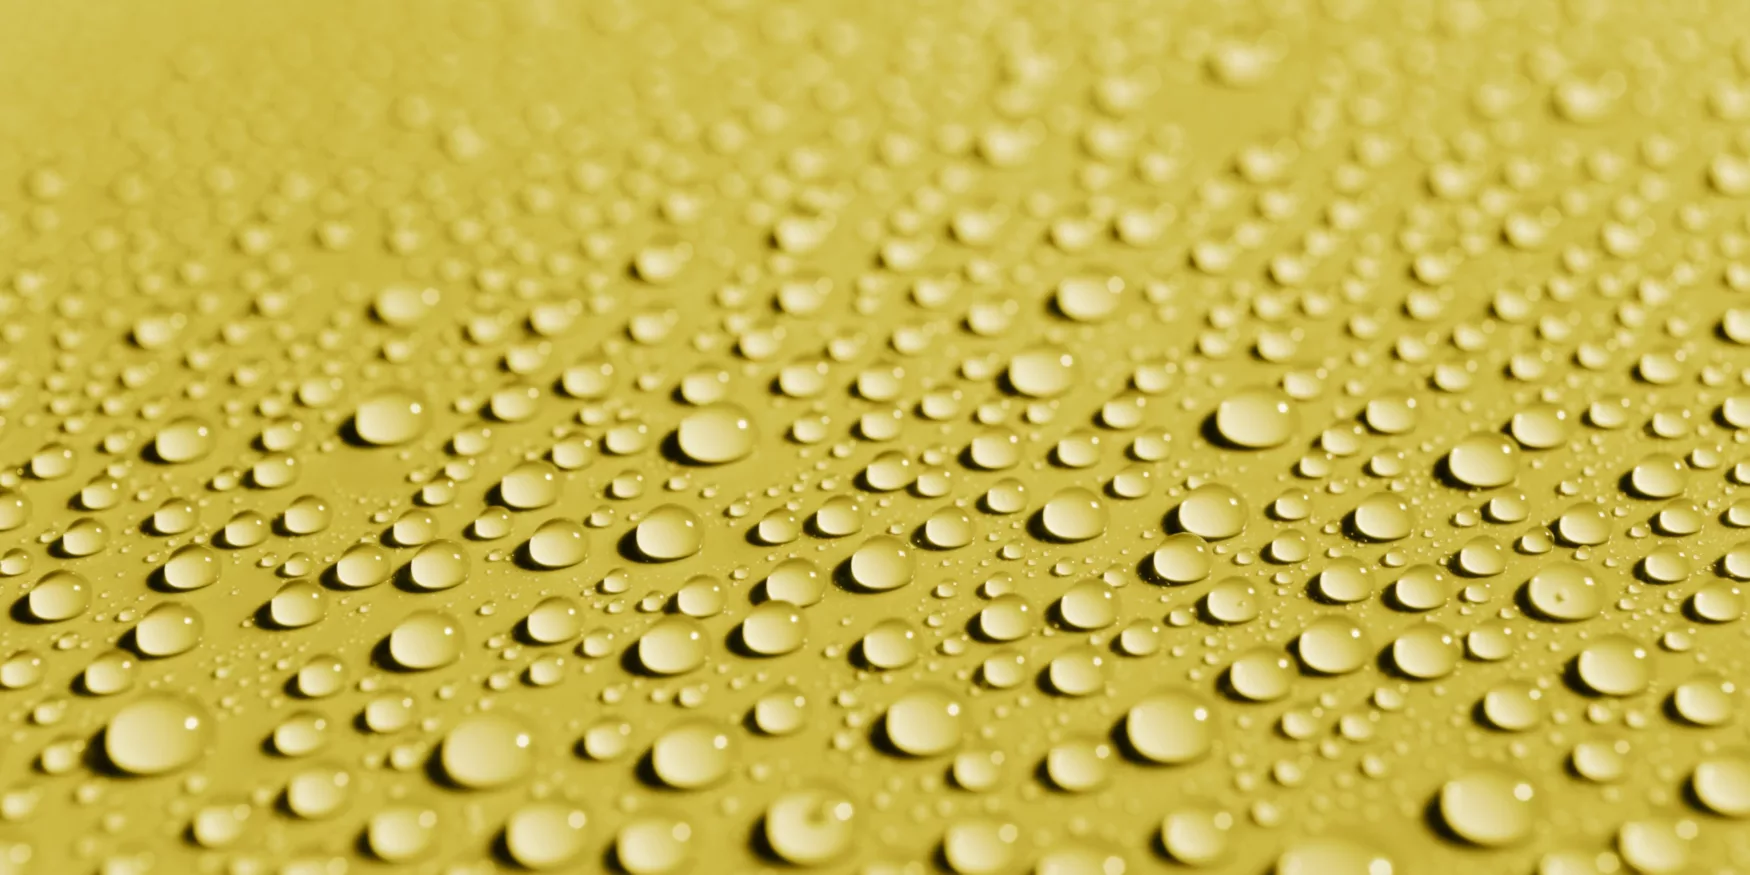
point(487, 751)
point(425, 640)
point(157, 733)
point(390, 418)
point(1256, 419)
point(668, 533)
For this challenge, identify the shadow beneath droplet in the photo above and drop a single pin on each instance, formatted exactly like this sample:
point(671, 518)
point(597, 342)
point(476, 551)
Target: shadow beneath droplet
point(263, 618)
point(1437, 824)
point(20, 612)
point(1172, 522)
point(149, 453)
point(1443, 473)
point(1120, 737)
point(349, 433)
point(96, 757)
point(631, 664)
point(1387, 665)
point(670, 450)
point(523, 558)
point(1572, 680)
point(645, 771)
point(381, 658)
point(434, 769)
point(845, 580)
point(627, 547)
point(762, 846)
point(882, 740)
point(736, 641)
point(1210, 433)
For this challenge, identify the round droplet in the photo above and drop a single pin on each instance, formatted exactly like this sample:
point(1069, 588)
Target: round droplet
point(1079, 765)
point(1583, 525)
point(1345, 581)
point(1171, 727)
point(1074, 514)
point(1564, 592)
point(883, 563)
point(401, 833)
point(692, 754)
point(797, 581)
point(1484, 460)
point(782, 711)
point(530, 485)
point(487, 751)
point(1256, 419)
point(390, 418)
point(810, 827)
point(675, 645)
point(58, 596)
point(924, 722)
point(1722, 785)
point(1088, 605)
point(1382, 517)
point(1042, 372)
point(545, 835)
point(554, 620)
point(1655, 847)
point(1196, 836)
point(1704, 701)
point(157, 733)
point(363, 566)
point(1658, 476)
point(318, 793)
point(168, 630)
point(184, 439)
point(1260, 675)
point(192, 567)
point(890, 644)
point(425, 640)
point(1212, 512)
point(1615, 665)
point(1182, 558)
point(1515, 706)
point(1425, 652)
point(1332, 857)
point(1332, 645)
point(716, 434)
point(1488, 808)
point(773, 628)
point(654, 845)
point(557, 543)
point(439, 565)
point(1539, 426)
point(14, 509)
point(980, 846)
point(668, 533)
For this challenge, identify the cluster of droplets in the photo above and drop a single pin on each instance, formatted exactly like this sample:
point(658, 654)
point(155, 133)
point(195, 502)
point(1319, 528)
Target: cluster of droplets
point(697, 488)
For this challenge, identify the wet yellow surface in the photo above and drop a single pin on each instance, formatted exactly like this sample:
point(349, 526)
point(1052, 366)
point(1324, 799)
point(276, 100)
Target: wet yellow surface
point(901, 437)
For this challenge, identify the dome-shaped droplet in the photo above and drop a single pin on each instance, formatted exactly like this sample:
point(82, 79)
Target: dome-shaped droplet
point(487, 751)
point(1382, 517)
point(58, 596)
point(157, 733)
point(1074, 514)
point(439, 565)
point(530, 485)
point(1722, 784)
point(773, 628)
point(553, 620)
point(401, 833)
point(184, 439)
point(883, 563)
point(390, 418)
point(1042, 372)
point(1614, 665)
point(1345, 581)
point(1170, 727)
point(668, 533)
point(425, 640)
point(716, 435)
point(1212, 512)
point(545, 836)
point(1484, 460)
point(923, 722)
point(557, 543)
point(1332, 645)
point(1256, 419)
point(810, 827)
point(1182, 558)
point(168, 630)
point(692, 754)
point(1564, 592)
point(890, 644)
point(675, 645)
point(192, 567)
point(654, 844)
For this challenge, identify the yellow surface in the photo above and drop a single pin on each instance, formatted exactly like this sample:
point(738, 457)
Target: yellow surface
point(1077, 437)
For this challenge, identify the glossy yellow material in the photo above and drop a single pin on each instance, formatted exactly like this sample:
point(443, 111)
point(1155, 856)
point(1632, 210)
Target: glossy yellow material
point(1078, 436)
